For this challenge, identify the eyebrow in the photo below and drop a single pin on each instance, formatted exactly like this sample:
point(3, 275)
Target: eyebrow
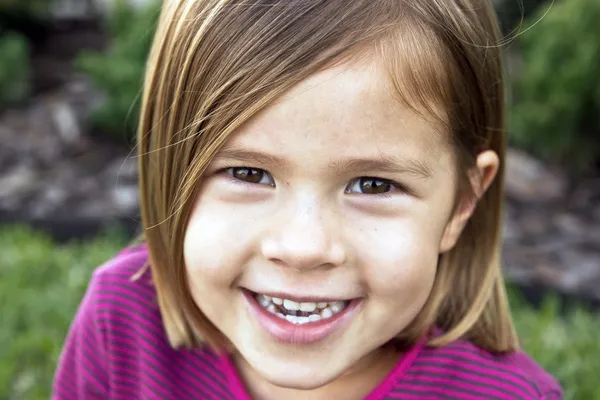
point(382, 164)
point(385, 164)
point(252, 156)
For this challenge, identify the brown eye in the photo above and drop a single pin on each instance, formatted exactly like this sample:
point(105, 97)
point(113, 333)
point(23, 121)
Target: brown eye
point(251, 175)
point(367, 185)
point(374, 186)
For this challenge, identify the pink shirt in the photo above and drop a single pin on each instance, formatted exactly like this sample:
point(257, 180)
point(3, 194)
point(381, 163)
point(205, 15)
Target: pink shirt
point(117, 349)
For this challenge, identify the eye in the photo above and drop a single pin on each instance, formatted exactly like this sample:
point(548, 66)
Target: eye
point(367, 185)
point(251, 175)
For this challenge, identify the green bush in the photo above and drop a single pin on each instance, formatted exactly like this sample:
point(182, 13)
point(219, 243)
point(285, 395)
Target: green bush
point(41, 285)
point(14, 69)
point(119, 72)
point(556, 97)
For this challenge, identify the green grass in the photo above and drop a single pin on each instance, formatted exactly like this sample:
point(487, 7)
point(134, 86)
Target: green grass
point(42, 283)
point(568, 346)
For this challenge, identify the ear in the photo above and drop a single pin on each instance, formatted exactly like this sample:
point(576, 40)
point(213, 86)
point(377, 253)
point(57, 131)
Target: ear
point(480, 177)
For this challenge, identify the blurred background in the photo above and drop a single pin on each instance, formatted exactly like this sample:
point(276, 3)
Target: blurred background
point(70, 80)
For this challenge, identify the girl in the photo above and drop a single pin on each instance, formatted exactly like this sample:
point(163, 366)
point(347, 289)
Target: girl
point(321, 186)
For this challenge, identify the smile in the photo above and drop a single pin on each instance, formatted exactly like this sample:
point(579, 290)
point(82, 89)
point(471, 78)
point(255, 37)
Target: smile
point(290, 321)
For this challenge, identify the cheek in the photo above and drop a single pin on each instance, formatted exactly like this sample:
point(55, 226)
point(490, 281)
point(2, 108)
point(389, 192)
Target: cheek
point(211, 235)
point(400, 258)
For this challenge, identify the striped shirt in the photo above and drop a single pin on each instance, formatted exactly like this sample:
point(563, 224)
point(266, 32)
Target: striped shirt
point(116, 348)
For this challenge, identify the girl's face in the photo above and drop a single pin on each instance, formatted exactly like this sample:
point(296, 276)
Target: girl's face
point(336, 201)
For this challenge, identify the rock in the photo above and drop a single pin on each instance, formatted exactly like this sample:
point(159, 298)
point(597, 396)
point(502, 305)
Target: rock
point(533, 223)
point(125, 199)
point(549, 274)
point(529, 180)
point(587, 271)
point(15, 183)
point(61, 10)
point(50, 200)
point(571, 224)
point(65, 123)
point(123, 171)
point(511, 231)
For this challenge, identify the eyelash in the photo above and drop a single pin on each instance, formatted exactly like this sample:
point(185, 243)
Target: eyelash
point(396, 186)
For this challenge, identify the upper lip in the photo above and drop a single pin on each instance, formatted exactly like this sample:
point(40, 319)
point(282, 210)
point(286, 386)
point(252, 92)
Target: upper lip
point(302, 298)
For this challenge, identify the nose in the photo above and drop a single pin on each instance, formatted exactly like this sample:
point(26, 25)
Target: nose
point(302, 238)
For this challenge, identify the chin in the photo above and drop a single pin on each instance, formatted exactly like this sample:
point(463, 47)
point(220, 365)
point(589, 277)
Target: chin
point(299, 382)
point(294, 376)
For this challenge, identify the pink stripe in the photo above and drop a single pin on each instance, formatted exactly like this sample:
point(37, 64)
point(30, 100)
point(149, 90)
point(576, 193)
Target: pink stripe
point(208, 378)
point(123, 350)
point(492, 371)
point(445, 391)
point(135, 383)
point(153, 385)
point(123, 285)
point(86, 355)
point(87, 377)
point(408, 396)
point(236, 386)
point(398, 372)
point(474, 376)
point(211, 376)
point(449, 383)
point(120, 299)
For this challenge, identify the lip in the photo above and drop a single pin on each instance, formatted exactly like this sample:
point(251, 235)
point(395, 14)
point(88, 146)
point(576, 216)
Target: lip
point(283, 331)
point(302, 299)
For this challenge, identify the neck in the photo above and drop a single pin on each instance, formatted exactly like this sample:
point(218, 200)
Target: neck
point(356, 383)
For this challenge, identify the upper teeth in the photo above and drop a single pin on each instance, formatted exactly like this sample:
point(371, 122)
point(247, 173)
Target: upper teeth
point(294, 306)
point(325, 309)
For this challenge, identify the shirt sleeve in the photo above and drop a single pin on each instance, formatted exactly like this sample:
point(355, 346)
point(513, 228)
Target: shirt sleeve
point(82, 371)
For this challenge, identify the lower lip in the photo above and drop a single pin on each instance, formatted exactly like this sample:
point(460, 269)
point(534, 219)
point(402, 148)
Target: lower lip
point(286, 332)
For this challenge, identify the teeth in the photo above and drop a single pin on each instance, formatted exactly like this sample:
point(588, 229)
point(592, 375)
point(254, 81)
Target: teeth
point(326, 313)
point(291, 305)
point(321, 310)
point(277, 301)
point(308, 307)
point(263, 301)
point(337, 306)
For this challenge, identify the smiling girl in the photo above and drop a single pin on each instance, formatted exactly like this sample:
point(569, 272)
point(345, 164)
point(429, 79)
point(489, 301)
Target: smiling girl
point(321, 191)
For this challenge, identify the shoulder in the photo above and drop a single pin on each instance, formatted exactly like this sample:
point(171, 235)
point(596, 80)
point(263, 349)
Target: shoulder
point(475, 371)
point(123, 286)
point(121, 310)
point(121, 301)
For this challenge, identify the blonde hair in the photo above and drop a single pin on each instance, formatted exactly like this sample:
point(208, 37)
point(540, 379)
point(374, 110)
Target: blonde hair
point(215, 63)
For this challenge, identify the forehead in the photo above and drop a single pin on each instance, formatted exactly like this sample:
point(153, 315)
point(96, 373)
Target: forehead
point(349, 110)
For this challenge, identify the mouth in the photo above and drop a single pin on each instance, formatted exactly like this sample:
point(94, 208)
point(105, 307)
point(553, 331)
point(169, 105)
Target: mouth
point(300, 312)
point(300, 322)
